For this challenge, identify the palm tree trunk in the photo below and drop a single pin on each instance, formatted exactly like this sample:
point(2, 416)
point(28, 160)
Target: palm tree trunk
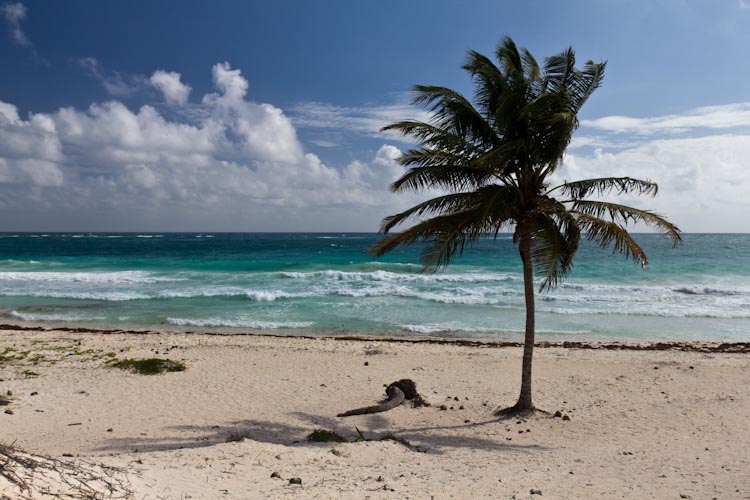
point(524, 400)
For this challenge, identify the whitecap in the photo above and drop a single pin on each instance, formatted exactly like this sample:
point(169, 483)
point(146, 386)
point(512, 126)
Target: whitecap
point(51, 317)
point(269, 296)
point(238, 323)
point(387, 276)
point(113, 278)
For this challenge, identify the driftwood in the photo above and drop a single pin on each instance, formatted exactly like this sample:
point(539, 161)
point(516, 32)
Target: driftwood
point(398, 392)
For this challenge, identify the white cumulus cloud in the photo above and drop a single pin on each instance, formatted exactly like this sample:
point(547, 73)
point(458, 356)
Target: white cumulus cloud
point(235, 164)
point(168, 82)
point(703, 181)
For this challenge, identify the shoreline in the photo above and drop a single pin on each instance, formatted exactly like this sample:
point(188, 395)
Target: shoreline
point(655, 345)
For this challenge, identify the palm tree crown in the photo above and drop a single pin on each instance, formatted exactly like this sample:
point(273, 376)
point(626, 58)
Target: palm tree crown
point(494, 158)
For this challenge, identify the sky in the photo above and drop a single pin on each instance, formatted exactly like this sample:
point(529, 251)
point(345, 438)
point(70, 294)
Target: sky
point(265, 116)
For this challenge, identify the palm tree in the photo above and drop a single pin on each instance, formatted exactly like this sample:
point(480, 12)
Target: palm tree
point(494, 159)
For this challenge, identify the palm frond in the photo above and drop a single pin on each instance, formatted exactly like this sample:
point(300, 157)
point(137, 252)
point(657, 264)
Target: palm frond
point(532, 72)
point(512, 65)
point(440, 204)
point(445, 235)
point(559, 71)
point(453, 112)
point(605, 185)
point(606, 233)
point(429, 134)
point(438, 169)
point(623, 214)
point(586, 82)
point(463, 218)
point(555, 236)
point(489, 80)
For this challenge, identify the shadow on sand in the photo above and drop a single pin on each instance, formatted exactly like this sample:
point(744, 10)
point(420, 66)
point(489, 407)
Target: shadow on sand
point(433, 439)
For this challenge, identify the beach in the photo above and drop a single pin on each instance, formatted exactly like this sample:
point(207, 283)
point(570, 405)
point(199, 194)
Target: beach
point(666, 423)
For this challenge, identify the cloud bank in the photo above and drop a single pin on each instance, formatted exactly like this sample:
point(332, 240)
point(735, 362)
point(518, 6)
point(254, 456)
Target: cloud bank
point(238, 166)
point(224, 162)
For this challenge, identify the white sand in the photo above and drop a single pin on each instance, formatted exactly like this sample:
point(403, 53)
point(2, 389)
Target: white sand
point(644, 425)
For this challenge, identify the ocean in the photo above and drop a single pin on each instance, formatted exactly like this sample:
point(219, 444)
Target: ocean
point(327, 284)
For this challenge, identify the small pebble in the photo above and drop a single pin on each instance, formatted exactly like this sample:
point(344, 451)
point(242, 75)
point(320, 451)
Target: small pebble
point(565, 417)
point(33, 393)
point(367, 363)
point(276, 475)
point(295, 480)
point(558, 414)
point(109, 430)
point(9, 411)
point(443, 407)
point(535, 492)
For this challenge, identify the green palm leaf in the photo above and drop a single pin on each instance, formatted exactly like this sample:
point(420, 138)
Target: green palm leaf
point(624, 215)
point(605, 185)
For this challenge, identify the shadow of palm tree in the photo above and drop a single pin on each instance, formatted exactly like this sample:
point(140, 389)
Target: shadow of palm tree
point(425, 439)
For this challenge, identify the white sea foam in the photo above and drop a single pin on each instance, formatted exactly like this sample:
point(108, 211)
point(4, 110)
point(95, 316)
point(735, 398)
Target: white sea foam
point(462, 328)
point(109, 278)
point(656, 310)
point(436, 328)
point(453, 296)
point(687, 289)
point(103, 295)
point(52, 317)
point(391, 277)
point(270, 296)
point(238, 323)
point(711, 290)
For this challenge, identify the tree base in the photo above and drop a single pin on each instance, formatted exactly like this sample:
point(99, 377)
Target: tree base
point(518, 410)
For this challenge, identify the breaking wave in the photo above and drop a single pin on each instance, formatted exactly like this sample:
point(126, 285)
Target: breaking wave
point(239, 323)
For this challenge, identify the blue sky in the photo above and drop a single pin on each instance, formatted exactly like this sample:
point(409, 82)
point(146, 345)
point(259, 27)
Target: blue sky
point(124, 115)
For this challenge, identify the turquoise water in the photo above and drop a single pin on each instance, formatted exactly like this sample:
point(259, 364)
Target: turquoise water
point(328, 284)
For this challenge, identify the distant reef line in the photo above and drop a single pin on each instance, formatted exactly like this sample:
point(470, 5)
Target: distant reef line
point(692, 346)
